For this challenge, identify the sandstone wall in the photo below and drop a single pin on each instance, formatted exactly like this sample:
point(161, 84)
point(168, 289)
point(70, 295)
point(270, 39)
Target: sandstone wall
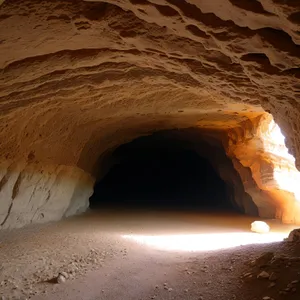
point(78, 78)
point(34, 193)
point(267, 169)
point(81, 71)
point(241, 196)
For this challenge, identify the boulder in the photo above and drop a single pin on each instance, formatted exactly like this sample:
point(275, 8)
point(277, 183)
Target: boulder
point(260, 227)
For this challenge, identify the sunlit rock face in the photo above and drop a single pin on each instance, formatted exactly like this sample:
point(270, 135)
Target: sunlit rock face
point(78, 78)
point(272, 178)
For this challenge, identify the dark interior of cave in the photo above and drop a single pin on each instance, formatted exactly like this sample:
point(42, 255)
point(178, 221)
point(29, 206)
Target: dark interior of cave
point(152, 172)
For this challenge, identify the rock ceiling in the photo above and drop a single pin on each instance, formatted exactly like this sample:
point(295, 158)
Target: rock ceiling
point(75, 72)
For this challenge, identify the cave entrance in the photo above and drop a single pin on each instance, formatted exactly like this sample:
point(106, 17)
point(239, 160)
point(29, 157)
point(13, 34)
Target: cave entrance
point(162, 172)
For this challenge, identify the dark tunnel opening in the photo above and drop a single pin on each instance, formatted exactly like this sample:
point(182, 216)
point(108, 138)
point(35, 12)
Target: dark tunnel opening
point(157, 173)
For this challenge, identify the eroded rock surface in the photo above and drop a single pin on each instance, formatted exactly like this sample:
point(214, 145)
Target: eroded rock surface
point(78, 78)
point(33, 193)
point(272, 179)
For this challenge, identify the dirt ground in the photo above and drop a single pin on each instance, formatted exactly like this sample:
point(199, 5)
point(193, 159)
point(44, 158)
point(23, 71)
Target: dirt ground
point(142, 254)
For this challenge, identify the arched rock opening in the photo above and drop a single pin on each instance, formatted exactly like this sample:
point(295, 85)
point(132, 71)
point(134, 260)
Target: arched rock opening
point(83, 77)
point(250, 157)
point(173, 169)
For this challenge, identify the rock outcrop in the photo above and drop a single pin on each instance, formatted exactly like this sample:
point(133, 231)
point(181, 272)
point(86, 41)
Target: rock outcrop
point(78, 78)
point(34, 193)
point(294, 236)
point(272, 179)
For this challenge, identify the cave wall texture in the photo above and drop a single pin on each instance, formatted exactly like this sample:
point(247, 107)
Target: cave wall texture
point(267, 170)
point(78, 78)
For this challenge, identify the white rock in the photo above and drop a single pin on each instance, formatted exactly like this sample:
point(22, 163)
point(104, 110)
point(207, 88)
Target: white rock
point(65, 274)
point(246, 274)
point(260, 227)
point(263, 274)
point(61, 279)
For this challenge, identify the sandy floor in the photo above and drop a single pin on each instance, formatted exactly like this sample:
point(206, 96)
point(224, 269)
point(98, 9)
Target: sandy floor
point(117, 254)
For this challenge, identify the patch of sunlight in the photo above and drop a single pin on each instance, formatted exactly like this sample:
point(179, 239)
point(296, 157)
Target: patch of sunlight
point(206, 241)
point(278, 140)
point(286, 175)
point(288, 180)
point(275, 133)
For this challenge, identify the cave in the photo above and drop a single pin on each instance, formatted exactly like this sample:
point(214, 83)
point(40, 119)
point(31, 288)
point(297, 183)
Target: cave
point(128, 106)
point(68, 101)
point(162, 172)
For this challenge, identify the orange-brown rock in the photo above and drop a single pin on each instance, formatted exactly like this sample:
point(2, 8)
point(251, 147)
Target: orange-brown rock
point(274, 186)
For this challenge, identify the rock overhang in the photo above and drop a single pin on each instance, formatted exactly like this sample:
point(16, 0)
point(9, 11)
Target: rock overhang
point(81, 77)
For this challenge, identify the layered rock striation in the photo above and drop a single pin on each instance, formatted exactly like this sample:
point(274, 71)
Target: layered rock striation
point(268, 171)
point(78, 78)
